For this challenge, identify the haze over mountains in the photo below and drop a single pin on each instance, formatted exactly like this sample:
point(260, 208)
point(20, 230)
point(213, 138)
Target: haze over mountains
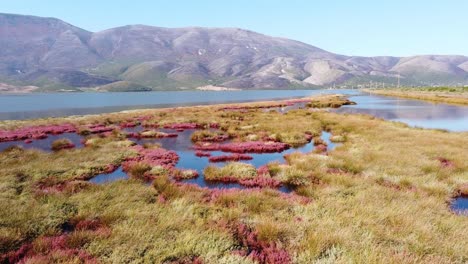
point(54, 55)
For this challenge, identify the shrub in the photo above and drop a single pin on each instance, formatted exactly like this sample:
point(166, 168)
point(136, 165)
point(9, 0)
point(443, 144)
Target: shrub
point(338, 139)
point(184, 174)
point(295, 177)
point(235, 170)
point(63, 143)
point(233, 157)
point(159, 171)
point(138, 169)
point(207, 135)
point(165, 187)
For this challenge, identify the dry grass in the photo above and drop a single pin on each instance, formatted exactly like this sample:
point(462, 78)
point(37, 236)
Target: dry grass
point(380, 197)
point(438, 96)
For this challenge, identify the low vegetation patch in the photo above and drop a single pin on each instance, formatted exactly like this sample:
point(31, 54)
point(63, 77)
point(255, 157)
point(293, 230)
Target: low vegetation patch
point(448, 95)
point(233, 171)
point(60, 144)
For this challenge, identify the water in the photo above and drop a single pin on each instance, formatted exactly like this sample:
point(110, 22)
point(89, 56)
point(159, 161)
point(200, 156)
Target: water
point(38, 105)
point(188, 160)
point(412, 112)
point(118, 174)
point(460, 205)
point(44, 144)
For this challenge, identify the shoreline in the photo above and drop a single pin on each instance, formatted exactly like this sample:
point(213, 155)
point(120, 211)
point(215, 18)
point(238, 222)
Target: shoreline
point(459, 99)
point(145, 110)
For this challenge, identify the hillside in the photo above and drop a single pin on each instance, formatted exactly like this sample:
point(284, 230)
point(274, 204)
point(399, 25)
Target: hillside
point(54, 55)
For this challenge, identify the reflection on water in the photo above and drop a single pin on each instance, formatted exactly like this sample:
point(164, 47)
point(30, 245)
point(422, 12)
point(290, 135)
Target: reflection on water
point(38, 105)
point(109, 177)
point(412, 112)
point(44, 144)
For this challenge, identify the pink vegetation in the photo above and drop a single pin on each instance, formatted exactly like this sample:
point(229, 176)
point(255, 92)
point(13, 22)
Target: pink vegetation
point(110, 168)
point(153, 157)
point(202, 154)
point(272, 105)
point(245, 147)
point(446, 163)
point(261, 182)
point(226, 179)
point(296, 101)
point(247, 107)
point(260, 251)
point(216, 138)
point(57, 246)
point(128, 124)
point(263, 171)
point(157, 135)
point(144, 118)
point(51, 185)
point(308, 136)
point(214, 125)
point(35, 132)
point(179, 175)
point(233, 157)
point(178, 126)
point(320, 148)
point(99, 128)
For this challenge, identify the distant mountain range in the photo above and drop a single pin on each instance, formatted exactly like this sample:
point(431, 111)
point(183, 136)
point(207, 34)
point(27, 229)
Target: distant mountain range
point(53, 55)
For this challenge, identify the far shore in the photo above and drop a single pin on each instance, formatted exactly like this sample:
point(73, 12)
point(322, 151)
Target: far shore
point(455, 98)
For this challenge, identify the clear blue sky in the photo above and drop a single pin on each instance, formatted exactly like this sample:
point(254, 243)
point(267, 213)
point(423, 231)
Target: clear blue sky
point(354, 27)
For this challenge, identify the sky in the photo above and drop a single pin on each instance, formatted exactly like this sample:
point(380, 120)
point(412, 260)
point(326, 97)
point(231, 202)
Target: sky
point(349, 27)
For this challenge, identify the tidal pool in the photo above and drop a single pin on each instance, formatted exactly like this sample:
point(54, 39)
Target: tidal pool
point(44, 144)
point(118, 174)
point(183, 145)
point(460, 205)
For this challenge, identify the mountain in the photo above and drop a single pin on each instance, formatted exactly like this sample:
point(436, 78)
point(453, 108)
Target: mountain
point(54, 55)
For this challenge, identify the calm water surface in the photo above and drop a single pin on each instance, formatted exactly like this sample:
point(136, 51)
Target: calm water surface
point(413, 112)
point(460, 205)
point(37, 105)
point(46, 143)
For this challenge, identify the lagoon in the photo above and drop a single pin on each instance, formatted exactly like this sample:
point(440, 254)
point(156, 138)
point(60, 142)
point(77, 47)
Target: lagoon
point(412, 112)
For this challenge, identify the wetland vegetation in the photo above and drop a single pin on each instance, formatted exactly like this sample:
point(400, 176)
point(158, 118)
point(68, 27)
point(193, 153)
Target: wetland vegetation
point(449, 95)
point(383, 194)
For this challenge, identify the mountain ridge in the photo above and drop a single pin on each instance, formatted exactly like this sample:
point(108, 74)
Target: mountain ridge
point(55, 55)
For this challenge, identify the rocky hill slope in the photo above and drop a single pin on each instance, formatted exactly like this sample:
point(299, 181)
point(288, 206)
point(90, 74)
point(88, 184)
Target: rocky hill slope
point(54, 55)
